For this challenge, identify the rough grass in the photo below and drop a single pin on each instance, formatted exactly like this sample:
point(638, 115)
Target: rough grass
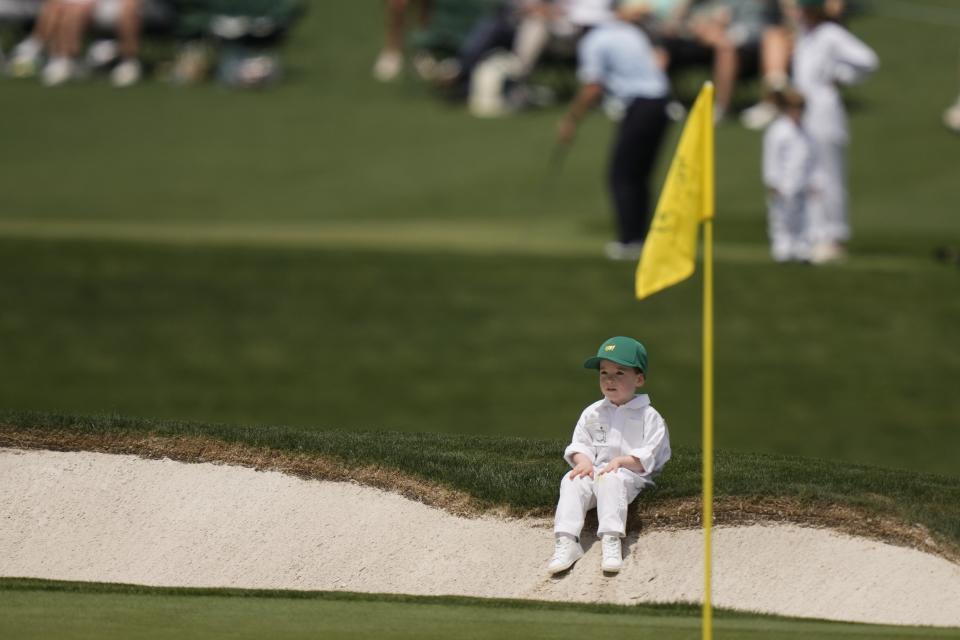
point(516, 476)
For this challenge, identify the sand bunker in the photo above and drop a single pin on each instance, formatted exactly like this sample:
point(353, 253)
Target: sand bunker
point(113, 518)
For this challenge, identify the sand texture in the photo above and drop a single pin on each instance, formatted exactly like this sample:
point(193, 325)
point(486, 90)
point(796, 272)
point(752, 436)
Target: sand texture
point(117, 518)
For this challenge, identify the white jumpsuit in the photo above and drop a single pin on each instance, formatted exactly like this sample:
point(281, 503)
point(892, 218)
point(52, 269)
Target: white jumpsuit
point(788, 166)
point(604, 432)
point(824, 57)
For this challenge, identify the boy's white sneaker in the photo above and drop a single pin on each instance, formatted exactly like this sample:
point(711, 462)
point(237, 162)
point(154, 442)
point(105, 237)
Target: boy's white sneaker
point(565, 553)
point(612, 557)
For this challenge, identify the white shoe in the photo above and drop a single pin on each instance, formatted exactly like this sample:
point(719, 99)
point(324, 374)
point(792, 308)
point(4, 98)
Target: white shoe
point(951, 117)
point(676, 111)
point(719, 114)
point(102, 53)
point(388, 66)
point(58, 71)
point(826, 252)
point(565, 553)
point(127, 73)
point(759, 116)
point(25, 58)
point(425, 65)
point(623, 250)
point(612, 558)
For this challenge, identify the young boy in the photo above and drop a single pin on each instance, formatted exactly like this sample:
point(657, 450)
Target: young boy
point(788, 169)
point(619, 444)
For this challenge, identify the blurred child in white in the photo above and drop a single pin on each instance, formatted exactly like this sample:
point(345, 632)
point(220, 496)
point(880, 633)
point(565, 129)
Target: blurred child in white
point(788, 171)
point(827, 55)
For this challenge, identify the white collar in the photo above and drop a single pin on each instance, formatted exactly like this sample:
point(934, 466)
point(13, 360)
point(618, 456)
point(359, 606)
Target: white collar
point(639, 401)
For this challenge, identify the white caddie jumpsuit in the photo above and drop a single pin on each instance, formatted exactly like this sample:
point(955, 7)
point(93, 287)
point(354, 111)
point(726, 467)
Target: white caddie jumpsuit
point(824, 57)
point(604, 432)
point(788, 169)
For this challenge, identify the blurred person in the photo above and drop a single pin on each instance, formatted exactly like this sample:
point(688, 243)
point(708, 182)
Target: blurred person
point(25, 57)
point(389, 62)
point(65, 39)
point(525, 29)
point(788, 171)
point(728, 27)
point(718, 31)
point(619, 445)
point(616, 59)
point(60, 29)
point(127, 15)
point(776, 50)
point(658, 18)
point(521, 26)
point(827, 55)
point(951, 117)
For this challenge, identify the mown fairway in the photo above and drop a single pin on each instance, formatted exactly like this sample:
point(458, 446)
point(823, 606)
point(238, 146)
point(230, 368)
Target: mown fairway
point(75, 615)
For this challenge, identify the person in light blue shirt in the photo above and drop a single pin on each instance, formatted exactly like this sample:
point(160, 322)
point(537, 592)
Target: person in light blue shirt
point(617, 60)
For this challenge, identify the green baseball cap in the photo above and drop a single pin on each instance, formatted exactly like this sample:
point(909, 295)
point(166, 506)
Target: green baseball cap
point(622, 350)
point(812, 4)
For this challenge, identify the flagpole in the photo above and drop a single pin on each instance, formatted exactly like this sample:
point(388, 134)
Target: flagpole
point(707, 427)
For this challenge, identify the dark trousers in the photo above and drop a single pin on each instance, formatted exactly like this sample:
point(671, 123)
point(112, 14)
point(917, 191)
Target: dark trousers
point(632, 162)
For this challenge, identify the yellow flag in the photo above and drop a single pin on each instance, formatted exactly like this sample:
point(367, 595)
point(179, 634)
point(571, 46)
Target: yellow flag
point(686, 201)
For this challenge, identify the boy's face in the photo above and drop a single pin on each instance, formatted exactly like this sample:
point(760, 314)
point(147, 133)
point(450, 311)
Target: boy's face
point(618, 383)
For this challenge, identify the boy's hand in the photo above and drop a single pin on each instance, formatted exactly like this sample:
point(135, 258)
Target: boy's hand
point(626, 462)
point(584, 469)
point(613, 465)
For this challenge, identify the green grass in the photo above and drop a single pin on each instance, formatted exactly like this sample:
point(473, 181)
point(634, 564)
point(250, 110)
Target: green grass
point(474, 344)
point(342, 253)
point(524, 473)
point(338, 254)
point(35, 609)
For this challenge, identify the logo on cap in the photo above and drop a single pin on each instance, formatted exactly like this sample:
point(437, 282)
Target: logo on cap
point(610, 347)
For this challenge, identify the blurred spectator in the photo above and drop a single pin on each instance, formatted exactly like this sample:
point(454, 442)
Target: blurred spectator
point(517, 25)
point(827, 55)
point(389, 62)
point(776, 47)
point(129, 24)
point(788, 172)
point(616, 58)
point(60, 29)
point(951, 117)
point(240, 38)
point(729, 27)
point(67, 26)
point(718, 32)
point(522, 30)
